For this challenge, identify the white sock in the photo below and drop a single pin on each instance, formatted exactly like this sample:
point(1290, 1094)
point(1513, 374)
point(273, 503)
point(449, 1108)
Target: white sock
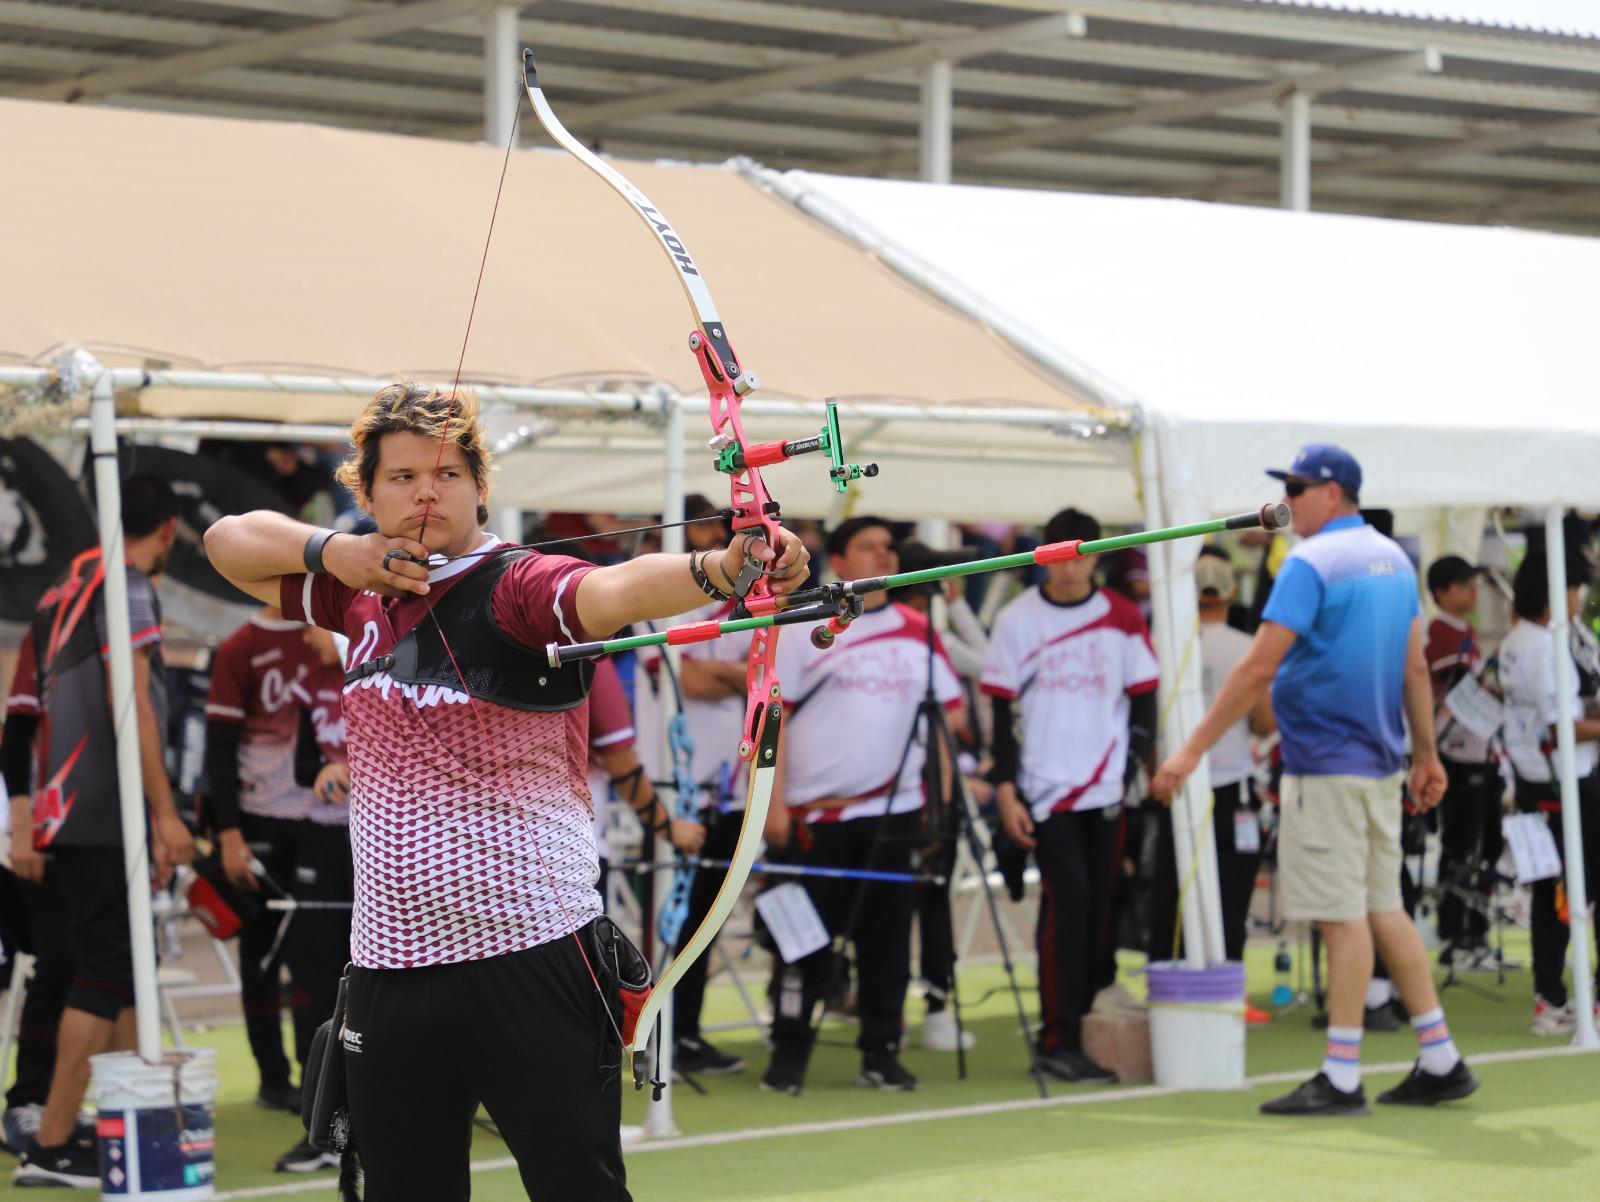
point(1436, 1051)
point(1342, 1063)
point(1379, 991)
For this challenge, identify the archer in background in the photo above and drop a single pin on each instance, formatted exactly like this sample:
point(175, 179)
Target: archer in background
point(481, 971)
point(852, 782)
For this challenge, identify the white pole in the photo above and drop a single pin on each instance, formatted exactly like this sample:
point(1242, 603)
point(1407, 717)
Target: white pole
point(124, 717)
point(1183, 831)
point(501, 74)
point(1555, 542)
point(507, 523)
point(658, 1120)
point(936, 129)
point(1294, 167)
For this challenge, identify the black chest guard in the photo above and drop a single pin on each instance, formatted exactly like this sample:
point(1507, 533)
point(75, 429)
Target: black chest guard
point(493, 666)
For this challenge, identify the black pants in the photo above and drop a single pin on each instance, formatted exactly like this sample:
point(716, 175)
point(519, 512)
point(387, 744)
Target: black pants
point(1079, 856)
point(936, 945)
point(1236, 875)
point(524, 1034)
point(317, 946)
point(881, 933)
point(1550, 933)
point(274, 842)
point(722, 836)
point(92, 886)
point(1470, 843)
point(48, 937)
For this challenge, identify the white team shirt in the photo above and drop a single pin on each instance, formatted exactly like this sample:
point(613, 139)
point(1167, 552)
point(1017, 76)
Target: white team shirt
point(1222, 647)
point(848, 713)
point(1072, 669)
point(1528, 679)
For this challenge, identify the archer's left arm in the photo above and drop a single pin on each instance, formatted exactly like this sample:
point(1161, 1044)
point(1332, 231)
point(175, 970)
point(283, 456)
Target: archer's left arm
point(662, 586)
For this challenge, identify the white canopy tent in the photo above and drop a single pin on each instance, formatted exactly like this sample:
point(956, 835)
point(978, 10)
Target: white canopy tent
point(1458, 364)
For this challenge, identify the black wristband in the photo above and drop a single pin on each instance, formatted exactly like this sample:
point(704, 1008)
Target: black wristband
point(312, 555)
point(697, 572)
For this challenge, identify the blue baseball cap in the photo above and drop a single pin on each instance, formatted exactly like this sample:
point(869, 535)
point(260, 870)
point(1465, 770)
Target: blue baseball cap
point(1321, 462)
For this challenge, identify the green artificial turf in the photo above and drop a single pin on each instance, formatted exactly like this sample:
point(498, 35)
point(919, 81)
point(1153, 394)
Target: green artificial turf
point(1533, 1131)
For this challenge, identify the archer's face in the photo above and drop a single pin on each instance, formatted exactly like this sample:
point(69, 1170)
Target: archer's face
point(870, 553)
point(409, 498)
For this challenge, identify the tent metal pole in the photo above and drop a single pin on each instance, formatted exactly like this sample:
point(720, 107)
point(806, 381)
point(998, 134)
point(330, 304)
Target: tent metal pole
point(124, 716)
point(659, 1122)
point(1555, 541)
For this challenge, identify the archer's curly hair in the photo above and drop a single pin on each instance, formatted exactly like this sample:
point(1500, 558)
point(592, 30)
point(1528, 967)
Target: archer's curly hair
point(405, 407)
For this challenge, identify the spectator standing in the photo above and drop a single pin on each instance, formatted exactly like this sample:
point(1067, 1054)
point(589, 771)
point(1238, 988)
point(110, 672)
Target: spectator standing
point(76, 811)
point(853, 753)
point(1073, 678)
point(1528, 679)
point(252, 723)
point(1469, 817)
point(1234, 809)
point(1340, 644)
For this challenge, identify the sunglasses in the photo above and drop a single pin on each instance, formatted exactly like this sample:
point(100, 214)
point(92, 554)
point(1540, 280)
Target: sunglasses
point(1293, 488)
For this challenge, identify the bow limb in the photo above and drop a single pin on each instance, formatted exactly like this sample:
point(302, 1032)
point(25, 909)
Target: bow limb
point(758, 797)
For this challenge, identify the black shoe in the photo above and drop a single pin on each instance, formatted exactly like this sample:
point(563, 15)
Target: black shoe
point(86, 1135)
point(1380, 1018)
point(701, 1059)
point(1069, 1064)
point(881, 1070)
point(303, 1158)
point(1422, 1088)
point(786, 1074)
point(1318, 1096)
point(278, 1095)
point(64, 1164)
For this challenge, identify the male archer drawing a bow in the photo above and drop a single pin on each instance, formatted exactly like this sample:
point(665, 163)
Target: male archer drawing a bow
point(476, 974)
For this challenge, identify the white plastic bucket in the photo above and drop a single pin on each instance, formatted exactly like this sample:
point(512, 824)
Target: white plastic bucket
point(1197, 1025)
point(157, 1134)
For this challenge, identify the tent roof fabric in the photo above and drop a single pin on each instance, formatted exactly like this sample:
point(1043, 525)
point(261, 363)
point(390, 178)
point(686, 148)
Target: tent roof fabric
point(206, 242)
point(1459, 364)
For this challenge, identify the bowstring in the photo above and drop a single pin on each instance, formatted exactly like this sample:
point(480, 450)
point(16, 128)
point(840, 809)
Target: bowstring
point(477, 714)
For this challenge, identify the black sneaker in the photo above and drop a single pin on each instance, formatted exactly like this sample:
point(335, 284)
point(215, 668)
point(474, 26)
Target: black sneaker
point(881, 1070)
point(1422, 1088)
point(1318, 1096)
point(303, 1158)
point(64, 1164)
point(278, 1095)
point(1069, 1064)
point(701, 1059)
point(786, 1074)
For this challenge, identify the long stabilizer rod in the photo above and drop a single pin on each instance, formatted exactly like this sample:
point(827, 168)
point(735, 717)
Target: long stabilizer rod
point(824, 603)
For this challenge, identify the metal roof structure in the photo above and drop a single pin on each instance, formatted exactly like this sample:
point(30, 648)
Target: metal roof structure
point(1343, 105)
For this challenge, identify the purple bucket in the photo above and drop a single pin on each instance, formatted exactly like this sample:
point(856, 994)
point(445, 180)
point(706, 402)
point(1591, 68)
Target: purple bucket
point(1172, 981)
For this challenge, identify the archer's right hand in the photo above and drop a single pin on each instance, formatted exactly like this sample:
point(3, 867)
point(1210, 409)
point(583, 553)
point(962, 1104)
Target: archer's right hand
point(236, 859)
point(1014, 817)
point(358, 561)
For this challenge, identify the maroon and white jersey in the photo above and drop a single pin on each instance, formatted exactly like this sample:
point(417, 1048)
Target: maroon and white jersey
point(610, 728)
point(469, 841)
point(1452, 652)
point(1071, 669)
point(321, 693)
point(252, 684)
point(848, 714)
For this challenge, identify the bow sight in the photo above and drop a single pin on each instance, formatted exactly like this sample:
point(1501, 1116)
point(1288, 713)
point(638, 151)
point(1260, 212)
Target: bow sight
point(731, 458)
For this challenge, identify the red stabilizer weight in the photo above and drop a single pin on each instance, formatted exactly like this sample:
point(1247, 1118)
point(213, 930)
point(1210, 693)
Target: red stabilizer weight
point(695, 632)
point(764, 454)
point(1057, 552)
point(761, 607)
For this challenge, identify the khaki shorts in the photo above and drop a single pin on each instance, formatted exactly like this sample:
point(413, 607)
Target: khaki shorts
point(1339, 846)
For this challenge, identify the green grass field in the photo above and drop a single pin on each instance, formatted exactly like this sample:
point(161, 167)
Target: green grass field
point(1532, 1131)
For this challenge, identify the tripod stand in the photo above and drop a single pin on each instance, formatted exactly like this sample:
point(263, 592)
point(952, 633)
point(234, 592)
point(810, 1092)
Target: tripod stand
point(957, 824)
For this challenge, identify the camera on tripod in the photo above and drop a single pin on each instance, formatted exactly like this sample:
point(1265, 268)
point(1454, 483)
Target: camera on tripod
point(917, 556)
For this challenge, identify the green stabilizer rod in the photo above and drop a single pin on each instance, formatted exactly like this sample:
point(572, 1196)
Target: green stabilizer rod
point(832, 603)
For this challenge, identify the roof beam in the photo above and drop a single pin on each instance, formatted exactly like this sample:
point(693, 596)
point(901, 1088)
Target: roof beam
point(810, 75)
point(1077, 129)
point(264, 48)
point(1411, 156)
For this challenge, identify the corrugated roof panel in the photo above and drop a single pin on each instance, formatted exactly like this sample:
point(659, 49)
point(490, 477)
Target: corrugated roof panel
point(1570, 18)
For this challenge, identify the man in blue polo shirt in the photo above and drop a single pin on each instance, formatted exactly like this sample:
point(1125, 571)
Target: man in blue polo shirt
point(1340, 645)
